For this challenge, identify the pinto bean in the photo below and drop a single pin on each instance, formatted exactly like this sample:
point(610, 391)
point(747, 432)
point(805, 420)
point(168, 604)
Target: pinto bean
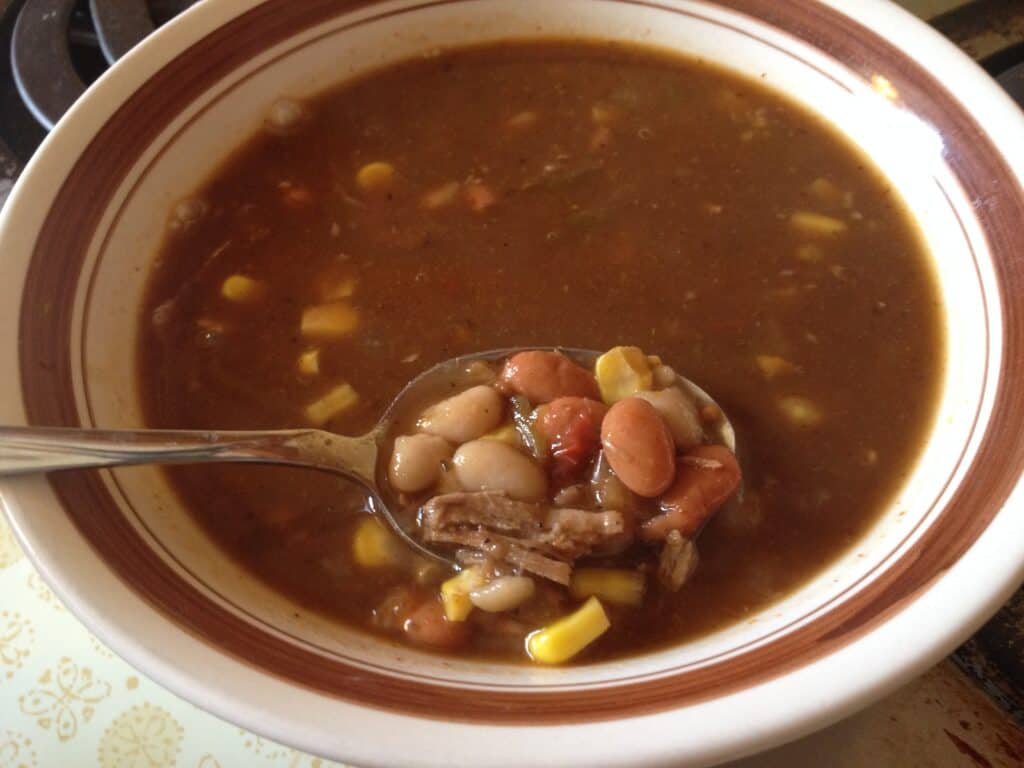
point(638, 446)
point(489, 465)
point(426, 624)
point(465, 416)
point(680, 414)
point(544, 376)
point(416, 462)
point(705, 479)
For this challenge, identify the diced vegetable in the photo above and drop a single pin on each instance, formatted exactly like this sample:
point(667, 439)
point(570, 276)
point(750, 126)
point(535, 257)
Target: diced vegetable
point(801, 411)
point(338, 400)
point(375, 177)
point(522, 120)
point(506, 433)
point(478, 195)
point(241, 289)
point(613, 585)
point(562, 640)
point(374, 546)
point(773, 366)
point(455, 593)
point(817, 224)
point(571, 426)
point(826, 192)
point(309, 362)
point(621, 372)
point(335, 290)
point(333, 320)
point(440, 196)
point(810, 253)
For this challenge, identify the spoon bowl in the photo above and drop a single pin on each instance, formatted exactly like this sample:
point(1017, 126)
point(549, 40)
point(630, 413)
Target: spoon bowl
point(362, 459)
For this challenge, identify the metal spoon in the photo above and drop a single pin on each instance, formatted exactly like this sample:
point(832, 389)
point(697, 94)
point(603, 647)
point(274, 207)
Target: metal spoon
point(28, 450)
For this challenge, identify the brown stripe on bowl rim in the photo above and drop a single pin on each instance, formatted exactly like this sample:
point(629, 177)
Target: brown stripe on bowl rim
point(46, 376)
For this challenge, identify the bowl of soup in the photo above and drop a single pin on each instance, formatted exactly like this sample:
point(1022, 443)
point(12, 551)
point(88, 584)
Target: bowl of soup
point(275, 214)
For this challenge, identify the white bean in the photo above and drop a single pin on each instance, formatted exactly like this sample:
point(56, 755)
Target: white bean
point(465, 416)
point(487, 465)
point(679, 413)
point(416, 462)
point(503, 594)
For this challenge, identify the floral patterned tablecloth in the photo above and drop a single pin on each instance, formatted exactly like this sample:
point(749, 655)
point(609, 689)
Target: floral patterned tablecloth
point(66, 701)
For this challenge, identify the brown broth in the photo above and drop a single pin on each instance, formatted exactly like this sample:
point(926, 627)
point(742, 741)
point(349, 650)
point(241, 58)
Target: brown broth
point(673, 235)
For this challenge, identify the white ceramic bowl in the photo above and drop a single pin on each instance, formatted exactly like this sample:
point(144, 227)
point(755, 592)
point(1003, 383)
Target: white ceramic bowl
point(81, 227)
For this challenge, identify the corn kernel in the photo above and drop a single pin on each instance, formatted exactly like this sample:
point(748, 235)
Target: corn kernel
point(441, 196)
point(569, 635)
point(810, 223)
point(506, 433)
point(801, 411)
point(374, 546)
point(339, 399)
point(375, 177)
point(772, 366)
point(340, 289)
point(601, 114)
point(242, 289)
point(455, 593)
point(826, 192)
point(522, 120)
point(621, 372)
point(613, 585)
point(332, 320)
point(309, 362)
point(810, 253)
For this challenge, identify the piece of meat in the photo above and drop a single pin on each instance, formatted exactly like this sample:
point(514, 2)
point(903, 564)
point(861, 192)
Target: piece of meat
point(678, 561)
point(536, 537)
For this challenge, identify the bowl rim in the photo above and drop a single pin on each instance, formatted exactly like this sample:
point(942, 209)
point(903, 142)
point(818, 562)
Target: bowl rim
point(983, 98)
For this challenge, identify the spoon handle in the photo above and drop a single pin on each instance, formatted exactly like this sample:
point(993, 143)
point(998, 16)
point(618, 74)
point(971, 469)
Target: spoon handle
point(27, 450)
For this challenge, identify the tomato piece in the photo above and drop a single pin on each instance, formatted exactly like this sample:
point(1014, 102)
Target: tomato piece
point(572, 428)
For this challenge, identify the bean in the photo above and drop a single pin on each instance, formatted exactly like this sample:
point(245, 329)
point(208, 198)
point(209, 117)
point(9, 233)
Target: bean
point(680, 414)
point(503, 594)
point(465, 416)
point(416, 462)
point(427, 625)
point(543, 376)
point(488, 465)
point(705, 479)
point(638, 446)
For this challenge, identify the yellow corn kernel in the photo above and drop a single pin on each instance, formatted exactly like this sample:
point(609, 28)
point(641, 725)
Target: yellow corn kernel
point(800, 411)
point(455, 593)
point(241, 289)
point(375, 177)
point(613, 585)
point(339, 399)
point(341, 289)
point(569, 635)
point(522, 120)
point(621, 372)
point(506, 433)
point(374, 546)
point(331, 320)
point(810, 253)
point(441, 196)
point(810, 223)
point(773, 365)
point(601, 114)
point(826, 192)
point(309, 362)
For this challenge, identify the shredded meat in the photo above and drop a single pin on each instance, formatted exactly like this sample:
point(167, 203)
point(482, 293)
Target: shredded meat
point(536, 537)
point(678, 561)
